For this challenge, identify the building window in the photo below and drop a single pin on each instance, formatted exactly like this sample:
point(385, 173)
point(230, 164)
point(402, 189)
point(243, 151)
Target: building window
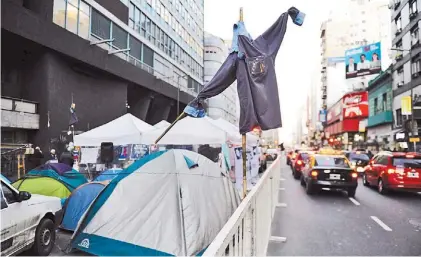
point(100, 26)
point(416, 67)
point(120, 37)
point(415, 35)
point(384, 102)
point(413, 7)
point(147, 55)
point(135, 48)
point(59, 12)
point(72, 15)
point(398, 23)
point(399, 120)
point(376, 110)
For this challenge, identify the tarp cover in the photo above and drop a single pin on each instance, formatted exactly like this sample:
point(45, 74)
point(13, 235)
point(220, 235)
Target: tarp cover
point(60, 168)
point(126, 129)
point(108, 174)
point(42, 186)
point(141, 212)
point(78, 202)
point(162, 124)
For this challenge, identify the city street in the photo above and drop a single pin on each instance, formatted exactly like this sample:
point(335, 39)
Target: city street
point(332, 224)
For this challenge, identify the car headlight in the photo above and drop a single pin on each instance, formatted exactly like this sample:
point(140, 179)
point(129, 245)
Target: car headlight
point(360, 169)
point(353, 163)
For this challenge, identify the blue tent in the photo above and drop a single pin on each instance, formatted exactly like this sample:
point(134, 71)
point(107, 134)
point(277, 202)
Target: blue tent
point(108, 174)
point(78, 202)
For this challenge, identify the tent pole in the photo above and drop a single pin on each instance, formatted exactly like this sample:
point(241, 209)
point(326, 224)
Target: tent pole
point(243, 139)
point(182, 115)
point(180, 206)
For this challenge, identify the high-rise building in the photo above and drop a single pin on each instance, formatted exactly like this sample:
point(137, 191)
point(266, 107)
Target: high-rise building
point(223, 105)
point(407, 62)
point(109, 57)
point(343, 31)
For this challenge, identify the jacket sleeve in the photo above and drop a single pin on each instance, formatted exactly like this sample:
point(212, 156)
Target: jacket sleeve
point(274, 35)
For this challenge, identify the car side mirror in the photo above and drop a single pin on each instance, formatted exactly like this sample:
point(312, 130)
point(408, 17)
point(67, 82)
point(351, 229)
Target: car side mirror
point(23, 196)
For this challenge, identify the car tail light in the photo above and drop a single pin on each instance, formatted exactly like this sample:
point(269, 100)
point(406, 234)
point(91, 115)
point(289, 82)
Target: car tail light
point(354, 175)
point(391, 171)
point(299, 162)
point(314, 173)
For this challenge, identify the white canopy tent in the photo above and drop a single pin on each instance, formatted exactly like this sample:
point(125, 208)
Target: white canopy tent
point(162, 124)
point(188, 131)
point(126, 129)
point(234, 132)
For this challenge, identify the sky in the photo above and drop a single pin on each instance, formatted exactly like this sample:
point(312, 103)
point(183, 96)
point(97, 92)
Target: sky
point(299, 56)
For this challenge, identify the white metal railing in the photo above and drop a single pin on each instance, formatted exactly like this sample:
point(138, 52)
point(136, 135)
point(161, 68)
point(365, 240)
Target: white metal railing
point(247, 232)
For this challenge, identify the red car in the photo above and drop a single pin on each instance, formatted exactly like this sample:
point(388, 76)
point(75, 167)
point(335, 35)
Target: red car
point(299, 163)
point(394, 171)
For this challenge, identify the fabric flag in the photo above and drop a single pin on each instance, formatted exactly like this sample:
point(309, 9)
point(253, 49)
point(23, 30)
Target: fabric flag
point(255, 75)
point(73, 117)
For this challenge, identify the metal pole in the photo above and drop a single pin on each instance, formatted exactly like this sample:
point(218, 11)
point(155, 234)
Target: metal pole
point(178, 94)
point(244, 146)
point(412, 103)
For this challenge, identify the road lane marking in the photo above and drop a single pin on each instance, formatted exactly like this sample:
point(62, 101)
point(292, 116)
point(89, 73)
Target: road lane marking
point(282, 179)
point(278, 239)
point(281, 189)
point(381, 223)
point(281, 205)
point(354, 201)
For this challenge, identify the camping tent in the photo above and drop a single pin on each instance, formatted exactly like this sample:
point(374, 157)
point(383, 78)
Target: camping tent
point(48, 182)
point(162, 124)
point(126, 129)
point(59, 168)
point(188, 131)
point(78, 202)
point(108, 174)
point(141, 212)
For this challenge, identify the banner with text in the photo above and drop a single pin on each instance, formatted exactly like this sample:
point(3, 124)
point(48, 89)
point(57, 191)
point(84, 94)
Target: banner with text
point(362, 61)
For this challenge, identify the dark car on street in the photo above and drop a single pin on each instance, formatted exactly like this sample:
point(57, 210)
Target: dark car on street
point(358, 160)
point(329, 171)
point(394, 171)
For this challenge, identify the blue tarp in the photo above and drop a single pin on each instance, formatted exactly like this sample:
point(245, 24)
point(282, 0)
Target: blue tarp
point(108, 175)
point(78, 203)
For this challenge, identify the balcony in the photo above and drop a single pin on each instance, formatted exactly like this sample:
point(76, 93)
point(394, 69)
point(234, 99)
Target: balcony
point(380, 118)
point(19, 113)
point(396, 4)
point(412, 15)
point(398, 31)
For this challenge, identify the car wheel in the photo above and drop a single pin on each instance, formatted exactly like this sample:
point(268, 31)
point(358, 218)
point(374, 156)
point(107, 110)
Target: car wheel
point(351, 192)
point(45, 236)
point(302, 182)
point(365, 182)
point(310, 189)
point(296, 174)
point(381, 188)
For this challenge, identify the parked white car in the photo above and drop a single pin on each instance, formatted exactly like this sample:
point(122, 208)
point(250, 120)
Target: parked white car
point(27, 221)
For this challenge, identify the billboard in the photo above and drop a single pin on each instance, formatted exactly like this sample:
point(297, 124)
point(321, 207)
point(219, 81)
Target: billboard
point(362, 61)
point(355, 105)
point(334, 113)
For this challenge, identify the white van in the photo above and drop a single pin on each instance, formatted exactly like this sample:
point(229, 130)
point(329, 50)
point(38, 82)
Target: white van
point(27, 221)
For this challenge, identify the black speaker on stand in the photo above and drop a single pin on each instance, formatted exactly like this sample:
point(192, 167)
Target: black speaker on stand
point(107, 153)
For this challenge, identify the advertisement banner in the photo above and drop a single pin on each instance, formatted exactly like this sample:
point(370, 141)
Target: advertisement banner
point(322, 116)
point(406, 105)
point(355, 105)
point(334, 113)
point(362, 61)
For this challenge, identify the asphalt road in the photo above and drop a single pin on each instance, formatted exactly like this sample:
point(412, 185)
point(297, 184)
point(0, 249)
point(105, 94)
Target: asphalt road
point(331, 224)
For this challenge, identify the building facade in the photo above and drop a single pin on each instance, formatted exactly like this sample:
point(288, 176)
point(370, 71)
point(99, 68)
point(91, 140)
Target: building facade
point(346, 119)
point(108, 57)
point(342, 31)
point(406, 20)
point(223, 105)
point(380, 117)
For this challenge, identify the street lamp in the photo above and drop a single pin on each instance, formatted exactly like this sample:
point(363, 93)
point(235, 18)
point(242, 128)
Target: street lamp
point(412, 92)
point(178, 89)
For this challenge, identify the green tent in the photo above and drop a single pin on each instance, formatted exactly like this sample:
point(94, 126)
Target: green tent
point(48, 182)
point(43, 186)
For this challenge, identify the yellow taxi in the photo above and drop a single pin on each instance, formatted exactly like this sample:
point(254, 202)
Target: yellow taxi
point(329, 168)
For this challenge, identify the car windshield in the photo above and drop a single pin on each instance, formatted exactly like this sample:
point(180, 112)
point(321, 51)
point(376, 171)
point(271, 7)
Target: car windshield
point(407, 162)
point(331, 161)
point(355, 156)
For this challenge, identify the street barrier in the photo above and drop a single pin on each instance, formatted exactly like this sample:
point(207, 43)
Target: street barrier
point(248, 230)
